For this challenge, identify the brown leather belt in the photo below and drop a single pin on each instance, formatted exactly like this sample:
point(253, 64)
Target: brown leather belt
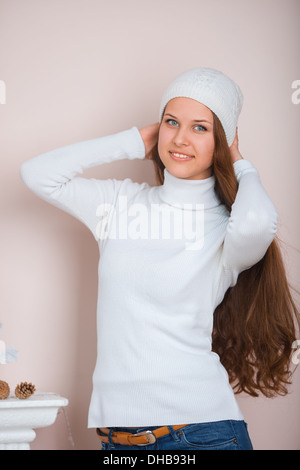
point(139, 439)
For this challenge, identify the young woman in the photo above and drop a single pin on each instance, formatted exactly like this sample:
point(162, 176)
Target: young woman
point(193, 299)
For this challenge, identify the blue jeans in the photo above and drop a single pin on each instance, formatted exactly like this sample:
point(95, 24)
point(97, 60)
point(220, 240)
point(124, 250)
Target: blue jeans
point(219, 435)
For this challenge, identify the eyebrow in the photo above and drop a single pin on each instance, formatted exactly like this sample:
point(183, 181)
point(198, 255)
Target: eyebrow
point(194, 120)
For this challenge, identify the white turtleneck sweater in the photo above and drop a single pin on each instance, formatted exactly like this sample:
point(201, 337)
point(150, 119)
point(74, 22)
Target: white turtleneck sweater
point(167, 256)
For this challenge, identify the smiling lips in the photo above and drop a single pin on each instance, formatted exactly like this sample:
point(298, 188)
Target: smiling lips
point(181, 157)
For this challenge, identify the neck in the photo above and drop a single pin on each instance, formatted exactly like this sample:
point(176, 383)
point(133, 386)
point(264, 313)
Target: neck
point(180, 191)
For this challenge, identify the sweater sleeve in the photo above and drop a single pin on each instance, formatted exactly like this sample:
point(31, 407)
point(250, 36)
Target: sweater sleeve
point(54, 176)
point(252, 224)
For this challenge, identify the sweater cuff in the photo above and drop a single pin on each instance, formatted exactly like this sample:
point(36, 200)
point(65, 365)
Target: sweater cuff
point(242, 167)
point(139, 150)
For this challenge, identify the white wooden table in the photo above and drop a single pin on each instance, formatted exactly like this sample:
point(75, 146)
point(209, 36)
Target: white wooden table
point(19, 418)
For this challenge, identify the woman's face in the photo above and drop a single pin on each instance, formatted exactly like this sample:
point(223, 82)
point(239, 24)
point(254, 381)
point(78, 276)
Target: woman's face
point(186, 139)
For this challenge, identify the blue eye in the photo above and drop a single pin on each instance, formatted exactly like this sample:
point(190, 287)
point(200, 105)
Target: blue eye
point(172, 122)
point(201, 128)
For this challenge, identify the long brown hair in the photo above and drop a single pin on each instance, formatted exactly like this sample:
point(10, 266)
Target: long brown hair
point(256, 324)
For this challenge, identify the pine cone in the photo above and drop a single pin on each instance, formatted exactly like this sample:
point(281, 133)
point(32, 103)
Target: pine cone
point(24, 390)
point(4, 390)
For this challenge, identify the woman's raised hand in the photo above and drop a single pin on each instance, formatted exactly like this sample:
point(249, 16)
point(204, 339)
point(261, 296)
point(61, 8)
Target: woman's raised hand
point(234, 148)
point(149, 135)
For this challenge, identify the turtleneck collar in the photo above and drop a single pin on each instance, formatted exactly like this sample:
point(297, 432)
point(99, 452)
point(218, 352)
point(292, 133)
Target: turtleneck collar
point(179, 191)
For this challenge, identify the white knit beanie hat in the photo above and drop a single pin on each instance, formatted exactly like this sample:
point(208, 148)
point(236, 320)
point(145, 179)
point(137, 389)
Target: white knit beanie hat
point(213, 89)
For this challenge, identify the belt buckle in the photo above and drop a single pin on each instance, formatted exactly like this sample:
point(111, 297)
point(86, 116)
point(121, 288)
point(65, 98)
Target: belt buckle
point(149, 435)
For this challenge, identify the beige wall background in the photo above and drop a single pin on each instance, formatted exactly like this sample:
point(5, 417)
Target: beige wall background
point(79, 69)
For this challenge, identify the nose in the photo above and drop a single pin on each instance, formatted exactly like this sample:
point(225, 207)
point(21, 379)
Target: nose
point(180, 138)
